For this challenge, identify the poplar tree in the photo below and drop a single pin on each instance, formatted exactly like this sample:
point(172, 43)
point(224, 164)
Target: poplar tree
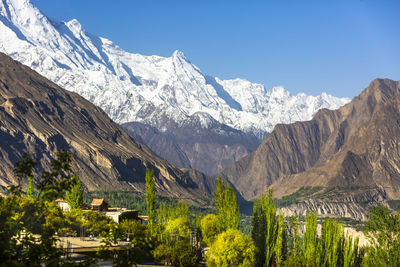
point(350, 251)
point(310, 236)
point(231, 209)
point(74, 196)
point(150, 191)
point(269, 210)
point(329, 247)
point(265, 228)
point(280, 240)
point(258, 232)
point(228, 216)
point(294, 233)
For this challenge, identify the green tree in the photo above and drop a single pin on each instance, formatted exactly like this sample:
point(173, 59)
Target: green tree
point(181, 254)
point(24, 170)
point(178, 229)
point(258, 231)
point(294, 227)
point(280, 247)
point(351, 252)
point(329, 246)
point(269, 211)
point(383, 232)
point(27, 225)
point(74, 195)
point(310, 236)
point(30, 191)
point(227, 207)
point(231, 208)
point(209, 229)
point(150, 200)
point(231, 248)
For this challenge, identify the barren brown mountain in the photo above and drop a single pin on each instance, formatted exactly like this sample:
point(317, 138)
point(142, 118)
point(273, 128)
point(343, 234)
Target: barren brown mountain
point(208, 150)
point(356, 146)
point(39, 117)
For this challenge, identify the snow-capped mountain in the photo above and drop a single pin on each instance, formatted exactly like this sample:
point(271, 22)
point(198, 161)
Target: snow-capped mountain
point(150, 89)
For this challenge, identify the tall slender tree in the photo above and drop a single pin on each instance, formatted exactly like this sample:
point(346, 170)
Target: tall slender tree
point(74, 195)
point(280, 240)
point(150, 199)
point(310, 236)
point(294, 233)
point(269, 209)
point(329, 246)
point(228, 216)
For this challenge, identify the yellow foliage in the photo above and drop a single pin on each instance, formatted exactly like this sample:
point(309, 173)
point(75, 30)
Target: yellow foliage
point(231, 248)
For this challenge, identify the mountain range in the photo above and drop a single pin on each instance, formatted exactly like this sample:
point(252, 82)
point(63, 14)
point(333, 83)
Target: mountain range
point(323, 153)
point(161, 92)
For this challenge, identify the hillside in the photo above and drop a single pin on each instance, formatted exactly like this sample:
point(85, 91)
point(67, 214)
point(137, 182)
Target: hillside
point(354, 146)
point(39, 117)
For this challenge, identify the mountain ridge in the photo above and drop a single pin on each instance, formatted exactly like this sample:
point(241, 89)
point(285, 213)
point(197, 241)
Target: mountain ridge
point(335, 148)
point(132, 87)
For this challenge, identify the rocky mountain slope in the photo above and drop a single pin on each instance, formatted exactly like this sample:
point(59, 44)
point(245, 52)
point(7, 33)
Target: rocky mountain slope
point(356, 145)
point(207, 148)
point(39, 117)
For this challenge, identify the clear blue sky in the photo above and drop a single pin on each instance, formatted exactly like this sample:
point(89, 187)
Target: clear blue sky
point(307, 46)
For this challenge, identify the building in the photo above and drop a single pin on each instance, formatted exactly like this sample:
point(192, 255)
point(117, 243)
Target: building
point(119, 215)
point(99, 204)
point(63, 204)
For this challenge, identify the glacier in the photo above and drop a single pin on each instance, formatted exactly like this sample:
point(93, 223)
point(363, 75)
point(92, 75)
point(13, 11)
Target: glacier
point(149, 89)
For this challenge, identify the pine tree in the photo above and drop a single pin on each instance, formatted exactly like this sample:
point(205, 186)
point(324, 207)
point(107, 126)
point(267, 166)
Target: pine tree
point(150, 199)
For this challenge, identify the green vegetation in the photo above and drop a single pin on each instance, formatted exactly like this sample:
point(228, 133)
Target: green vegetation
point(227, 207)
point(137, 201)
point(383, 231)
point(31, 222)
point(74, 196)
point(150, 199)
point(231, 248)
point(296, 197)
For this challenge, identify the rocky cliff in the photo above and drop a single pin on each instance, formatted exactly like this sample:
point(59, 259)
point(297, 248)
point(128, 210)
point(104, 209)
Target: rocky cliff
point(356, 145)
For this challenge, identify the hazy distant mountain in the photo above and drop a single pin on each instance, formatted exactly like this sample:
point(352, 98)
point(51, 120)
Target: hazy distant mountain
point(39, 117)
point(355, 147)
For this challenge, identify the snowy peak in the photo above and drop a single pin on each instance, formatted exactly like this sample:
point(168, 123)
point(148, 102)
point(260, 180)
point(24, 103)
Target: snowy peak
point(149, 89)
point(179, 55)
